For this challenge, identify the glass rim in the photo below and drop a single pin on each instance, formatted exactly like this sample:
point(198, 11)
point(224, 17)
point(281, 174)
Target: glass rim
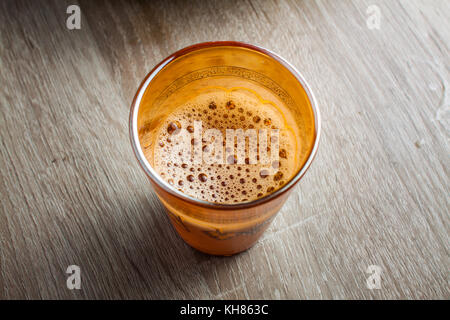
point(151, 173)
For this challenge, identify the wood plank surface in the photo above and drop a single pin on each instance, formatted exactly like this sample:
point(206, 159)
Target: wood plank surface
point(71, 191)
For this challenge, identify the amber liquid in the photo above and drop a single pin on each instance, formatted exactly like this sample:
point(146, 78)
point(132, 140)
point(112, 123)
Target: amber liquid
point(224, 97)
point(225, 180)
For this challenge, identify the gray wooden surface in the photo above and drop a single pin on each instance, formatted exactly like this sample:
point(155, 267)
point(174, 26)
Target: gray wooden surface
point(72, 192)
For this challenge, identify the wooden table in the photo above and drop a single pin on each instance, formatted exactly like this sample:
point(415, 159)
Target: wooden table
point(72, 192)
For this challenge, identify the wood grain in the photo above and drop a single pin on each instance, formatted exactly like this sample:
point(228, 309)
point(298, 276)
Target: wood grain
point(72, 192)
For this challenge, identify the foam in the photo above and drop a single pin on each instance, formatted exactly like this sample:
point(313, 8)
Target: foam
point(228, 182)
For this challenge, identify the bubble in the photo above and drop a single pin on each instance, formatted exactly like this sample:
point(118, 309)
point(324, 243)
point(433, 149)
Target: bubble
point(173, 126)
point(242, 180)
point(267, 122)
point(190, 178)
point(202, 177)
point(283, 154)
point(270, 189)
point(278, 176)
point(212, 105)
point(180, 182)
point(230, 105)
point(263, 173)
point(254, 180)
point(184, 165)
point(190, 129)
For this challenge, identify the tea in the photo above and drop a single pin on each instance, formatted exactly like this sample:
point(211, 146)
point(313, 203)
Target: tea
point(223, 130)
point(266, 165)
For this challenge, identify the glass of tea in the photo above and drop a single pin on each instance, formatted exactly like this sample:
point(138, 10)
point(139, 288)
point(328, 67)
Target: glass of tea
point(224, 130)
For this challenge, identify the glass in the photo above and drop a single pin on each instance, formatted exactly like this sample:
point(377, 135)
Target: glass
point(213, 228)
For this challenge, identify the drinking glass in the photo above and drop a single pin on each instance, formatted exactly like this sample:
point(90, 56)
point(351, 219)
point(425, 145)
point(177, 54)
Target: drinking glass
point(214, 228)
